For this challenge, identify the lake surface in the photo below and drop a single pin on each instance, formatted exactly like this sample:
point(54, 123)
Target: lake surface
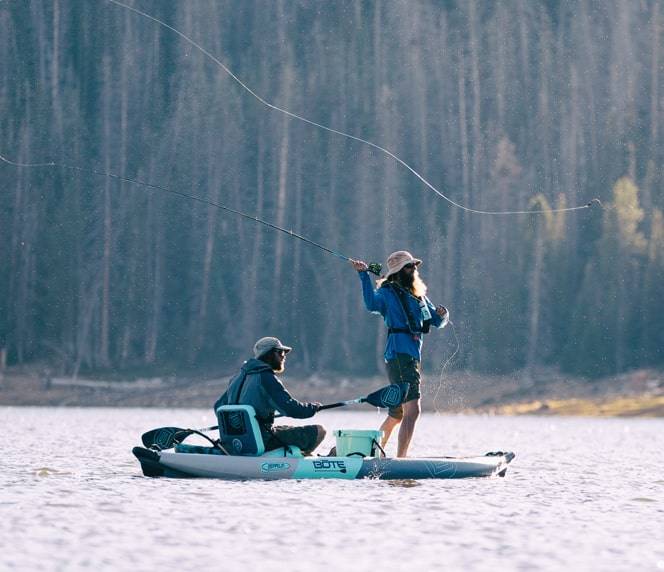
point(582, 494)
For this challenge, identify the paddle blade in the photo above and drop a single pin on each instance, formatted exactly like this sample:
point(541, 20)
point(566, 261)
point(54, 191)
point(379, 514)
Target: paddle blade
point(164, 437)
point(390, 396)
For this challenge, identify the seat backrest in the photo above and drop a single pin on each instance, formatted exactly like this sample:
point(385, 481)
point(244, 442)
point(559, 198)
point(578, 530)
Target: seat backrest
point(239, 430)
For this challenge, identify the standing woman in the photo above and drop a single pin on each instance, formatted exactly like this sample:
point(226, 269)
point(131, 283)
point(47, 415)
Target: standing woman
point(401, 299)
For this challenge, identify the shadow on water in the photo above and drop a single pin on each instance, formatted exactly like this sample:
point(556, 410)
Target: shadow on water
point(404, 483)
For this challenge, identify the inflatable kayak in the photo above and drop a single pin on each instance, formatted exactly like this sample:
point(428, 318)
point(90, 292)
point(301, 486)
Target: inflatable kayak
point(197, 461)
point(240, 454)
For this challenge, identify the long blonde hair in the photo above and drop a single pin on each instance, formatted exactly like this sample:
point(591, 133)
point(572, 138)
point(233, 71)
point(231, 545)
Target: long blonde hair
point(418, 289)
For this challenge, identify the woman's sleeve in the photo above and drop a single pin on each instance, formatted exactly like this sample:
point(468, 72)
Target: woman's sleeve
point(436, 320)
point(374, 300)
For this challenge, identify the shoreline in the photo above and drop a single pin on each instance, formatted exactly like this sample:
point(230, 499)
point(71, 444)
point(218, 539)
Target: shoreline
point(635, 394)
point(646, 406)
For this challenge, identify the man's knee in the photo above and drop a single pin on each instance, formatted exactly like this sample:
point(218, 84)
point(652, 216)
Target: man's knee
point(320, 434)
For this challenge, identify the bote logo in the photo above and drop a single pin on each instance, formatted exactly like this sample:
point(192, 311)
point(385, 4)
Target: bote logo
point(393, 394)
point(272, 467)
point(325, 465)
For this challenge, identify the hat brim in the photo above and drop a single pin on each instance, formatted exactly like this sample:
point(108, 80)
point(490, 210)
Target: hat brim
point(285, 349)
point(415, 261)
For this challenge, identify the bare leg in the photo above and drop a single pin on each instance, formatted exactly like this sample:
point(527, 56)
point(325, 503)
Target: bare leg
point(411, 411)
point(387, 427)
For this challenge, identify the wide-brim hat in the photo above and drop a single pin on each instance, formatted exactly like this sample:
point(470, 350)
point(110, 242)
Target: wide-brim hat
point(397, 260)
point(268, 344)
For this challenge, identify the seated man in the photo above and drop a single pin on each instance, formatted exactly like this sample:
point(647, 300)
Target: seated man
point(257, 385)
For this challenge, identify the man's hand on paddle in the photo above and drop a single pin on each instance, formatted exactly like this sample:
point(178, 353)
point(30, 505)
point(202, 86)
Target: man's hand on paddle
point(359, 265)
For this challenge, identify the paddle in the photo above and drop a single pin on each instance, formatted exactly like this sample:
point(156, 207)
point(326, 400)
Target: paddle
point(389, 396)
point(166, 437)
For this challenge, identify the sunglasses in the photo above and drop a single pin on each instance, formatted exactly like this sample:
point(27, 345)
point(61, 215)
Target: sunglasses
point(410, 266)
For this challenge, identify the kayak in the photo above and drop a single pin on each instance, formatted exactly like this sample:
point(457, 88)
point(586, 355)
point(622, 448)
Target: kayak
point(209, 462)
point(240, 454)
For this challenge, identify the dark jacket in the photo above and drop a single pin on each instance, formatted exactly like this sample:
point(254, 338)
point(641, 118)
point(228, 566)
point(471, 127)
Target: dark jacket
point(256, 385)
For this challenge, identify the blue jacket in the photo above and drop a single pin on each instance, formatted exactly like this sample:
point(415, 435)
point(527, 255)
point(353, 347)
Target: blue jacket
point(256, 385)
point(385, 302)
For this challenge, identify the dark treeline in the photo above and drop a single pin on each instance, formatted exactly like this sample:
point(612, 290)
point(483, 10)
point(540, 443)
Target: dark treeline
point(521, 104)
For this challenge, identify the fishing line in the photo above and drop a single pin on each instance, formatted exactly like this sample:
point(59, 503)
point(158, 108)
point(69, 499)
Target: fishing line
point(337, 132)
point(444, 366)
point(375, 268)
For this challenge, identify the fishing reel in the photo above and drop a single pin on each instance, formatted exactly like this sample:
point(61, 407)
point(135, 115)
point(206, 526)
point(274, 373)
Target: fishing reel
point(375, 268)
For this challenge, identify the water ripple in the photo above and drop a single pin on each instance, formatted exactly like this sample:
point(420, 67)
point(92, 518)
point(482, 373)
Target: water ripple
point(576, 487)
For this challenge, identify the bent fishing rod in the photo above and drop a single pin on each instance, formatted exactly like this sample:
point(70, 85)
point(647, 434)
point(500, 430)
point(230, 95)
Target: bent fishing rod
point(373, 267)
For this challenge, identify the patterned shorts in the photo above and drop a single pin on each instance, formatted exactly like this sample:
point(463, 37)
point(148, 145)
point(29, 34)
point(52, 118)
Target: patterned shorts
point(404, 368)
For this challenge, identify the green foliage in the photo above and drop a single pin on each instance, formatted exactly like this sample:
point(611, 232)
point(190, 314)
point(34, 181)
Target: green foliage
point(628, 216)
point(605, 337)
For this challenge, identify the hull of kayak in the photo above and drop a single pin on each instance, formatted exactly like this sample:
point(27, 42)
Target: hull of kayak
point(269, 467)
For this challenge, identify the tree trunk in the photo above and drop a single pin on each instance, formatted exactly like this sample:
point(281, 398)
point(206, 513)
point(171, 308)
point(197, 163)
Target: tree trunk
point(535, 296)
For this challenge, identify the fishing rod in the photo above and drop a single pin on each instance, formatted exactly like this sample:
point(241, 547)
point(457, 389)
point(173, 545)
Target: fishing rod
point(373, 267)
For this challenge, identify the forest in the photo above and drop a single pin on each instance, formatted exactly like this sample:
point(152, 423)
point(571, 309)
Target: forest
point(513, 105)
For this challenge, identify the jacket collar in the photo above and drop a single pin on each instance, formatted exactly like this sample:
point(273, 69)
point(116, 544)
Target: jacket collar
point(254, 365)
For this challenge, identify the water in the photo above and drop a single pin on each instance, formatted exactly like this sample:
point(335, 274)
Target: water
point(582, 494)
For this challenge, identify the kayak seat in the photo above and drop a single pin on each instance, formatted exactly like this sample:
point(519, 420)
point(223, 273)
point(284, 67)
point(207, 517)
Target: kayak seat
point(239, 430)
